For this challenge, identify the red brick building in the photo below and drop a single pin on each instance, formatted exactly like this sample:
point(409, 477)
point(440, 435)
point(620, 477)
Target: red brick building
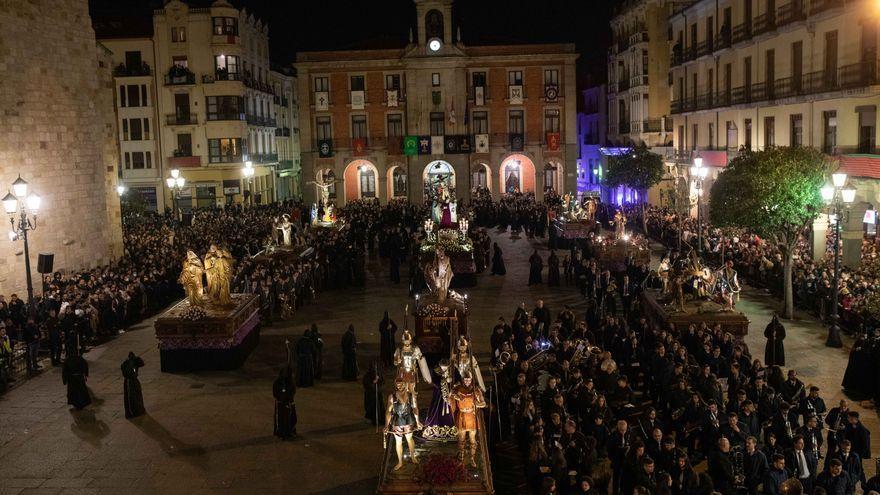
point(384, 121)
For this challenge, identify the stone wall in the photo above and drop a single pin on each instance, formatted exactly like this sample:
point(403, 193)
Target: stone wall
point(58, 130)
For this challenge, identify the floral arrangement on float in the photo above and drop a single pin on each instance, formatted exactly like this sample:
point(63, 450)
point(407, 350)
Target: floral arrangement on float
point(452, 241)
point(441, 470)
point(193, 313)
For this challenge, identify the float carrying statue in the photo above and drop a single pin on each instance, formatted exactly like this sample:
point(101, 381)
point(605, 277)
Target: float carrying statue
point(217, 267)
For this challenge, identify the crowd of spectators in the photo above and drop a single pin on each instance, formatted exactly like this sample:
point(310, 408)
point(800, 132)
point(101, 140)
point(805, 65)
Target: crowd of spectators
point(760, 264)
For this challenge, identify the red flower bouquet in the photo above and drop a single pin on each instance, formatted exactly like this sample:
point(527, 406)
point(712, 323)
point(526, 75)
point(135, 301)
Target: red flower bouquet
point(440, 469)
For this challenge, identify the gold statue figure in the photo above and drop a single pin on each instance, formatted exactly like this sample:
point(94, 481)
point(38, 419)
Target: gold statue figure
point(218, 268)
point(467, 399)
point(439, 275)
point(402, 420)
point(191, 279)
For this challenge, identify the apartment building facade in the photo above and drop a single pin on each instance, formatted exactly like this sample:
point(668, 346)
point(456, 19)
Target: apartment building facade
point(755, 74)
point(638, 70)
point(759, 73)
point(592, 125)
point(384, 123)
point(208, 103)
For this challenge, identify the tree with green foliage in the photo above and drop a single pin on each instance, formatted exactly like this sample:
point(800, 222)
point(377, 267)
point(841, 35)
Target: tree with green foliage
point(639, 169)
point(774, 193)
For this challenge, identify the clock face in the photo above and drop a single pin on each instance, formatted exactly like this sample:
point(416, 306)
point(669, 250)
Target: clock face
point(434, 45)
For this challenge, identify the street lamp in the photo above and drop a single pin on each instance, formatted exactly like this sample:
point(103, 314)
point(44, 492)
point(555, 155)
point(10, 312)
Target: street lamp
point(120, 190)
point(839, 199)
point(26, 206)
point(248, 172)
point(698, 174)
point(175, 184)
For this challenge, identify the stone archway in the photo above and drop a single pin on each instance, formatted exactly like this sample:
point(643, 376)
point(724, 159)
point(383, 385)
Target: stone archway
point(397, 181)
point(360, 180)
point(439, 170)
point(517, 172)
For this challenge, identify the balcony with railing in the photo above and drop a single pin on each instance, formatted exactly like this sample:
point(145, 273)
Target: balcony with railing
point(225, 75)
point(178, 75)
point(819, 6)
point(213, 116)
point(724, 39)
point(123, 70)
point(624, 127)
point(846, 77)
point(623, 84)
point(791, 12)
point(741, 32)
point(260, 120)
point(704, 48)
point(765, 23)
point(657, 125)
point(181, 119)
point(263, 157)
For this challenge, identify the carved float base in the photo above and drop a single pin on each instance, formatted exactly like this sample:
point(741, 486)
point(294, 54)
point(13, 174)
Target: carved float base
point(220, 340)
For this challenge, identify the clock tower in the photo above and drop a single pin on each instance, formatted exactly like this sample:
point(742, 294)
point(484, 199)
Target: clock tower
point(434, 19)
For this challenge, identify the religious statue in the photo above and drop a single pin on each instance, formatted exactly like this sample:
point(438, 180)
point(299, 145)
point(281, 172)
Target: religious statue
point(440, 415)
point(218, 269)
point(410, 362)
point(466, 363)
point(591, 210)
point(325, 184)
point(619, 225)
point(191, 279)
point(443, 208)
point(439, 274)
point(728, 286)
point(283, 224)
point(402, 420)
point(467, 400)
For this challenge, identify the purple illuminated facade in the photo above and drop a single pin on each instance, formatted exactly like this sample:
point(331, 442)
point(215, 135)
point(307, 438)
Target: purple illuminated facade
point(592, 125)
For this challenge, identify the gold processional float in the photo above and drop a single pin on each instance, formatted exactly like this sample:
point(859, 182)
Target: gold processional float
point(443, 446)
point(211, 328)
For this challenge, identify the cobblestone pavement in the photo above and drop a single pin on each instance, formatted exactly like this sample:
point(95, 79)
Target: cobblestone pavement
point(211, 432)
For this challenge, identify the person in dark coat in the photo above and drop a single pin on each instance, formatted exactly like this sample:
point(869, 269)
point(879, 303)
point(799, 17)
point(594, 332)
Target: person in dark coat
point(553, 270)
point(74, 374)
point(132, 394)
point(774, 352)
point(318, 343)
point(284, 392)
point(349, 355)
point(387, 332)
point(372, 382)
point(536, 266)
point(53, 330)
point(497, 261)
point(305, 360)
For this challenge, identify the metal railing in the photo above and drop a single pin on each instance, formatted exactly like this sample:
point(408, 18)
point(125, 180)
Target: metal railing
point(180, 79)
point(226, 116)
point(845, 77)
point(123, 70)
point(819, 6)
point(791, 12)
point(181, 119)
point(765, 23)
point(741, 32)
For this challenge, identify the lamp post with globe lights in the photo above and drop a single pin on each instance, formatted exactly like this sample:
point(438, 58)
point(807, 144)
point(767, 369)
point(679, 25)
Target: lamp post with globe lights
point(839, 200)
point(22, 209)
point(175, 183)
point(248, 172)
point(698, 174)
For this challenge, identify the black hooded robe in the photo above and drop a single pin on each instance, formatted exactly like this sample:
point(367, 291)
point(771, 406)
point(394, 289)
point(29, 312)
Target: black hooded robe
point(284, 391)
point(74, 373)
point(349, 355)
point(132, 394)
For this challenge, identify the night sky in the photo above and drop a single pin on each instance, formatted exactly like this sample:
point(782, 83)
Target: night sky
point(339, 24)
